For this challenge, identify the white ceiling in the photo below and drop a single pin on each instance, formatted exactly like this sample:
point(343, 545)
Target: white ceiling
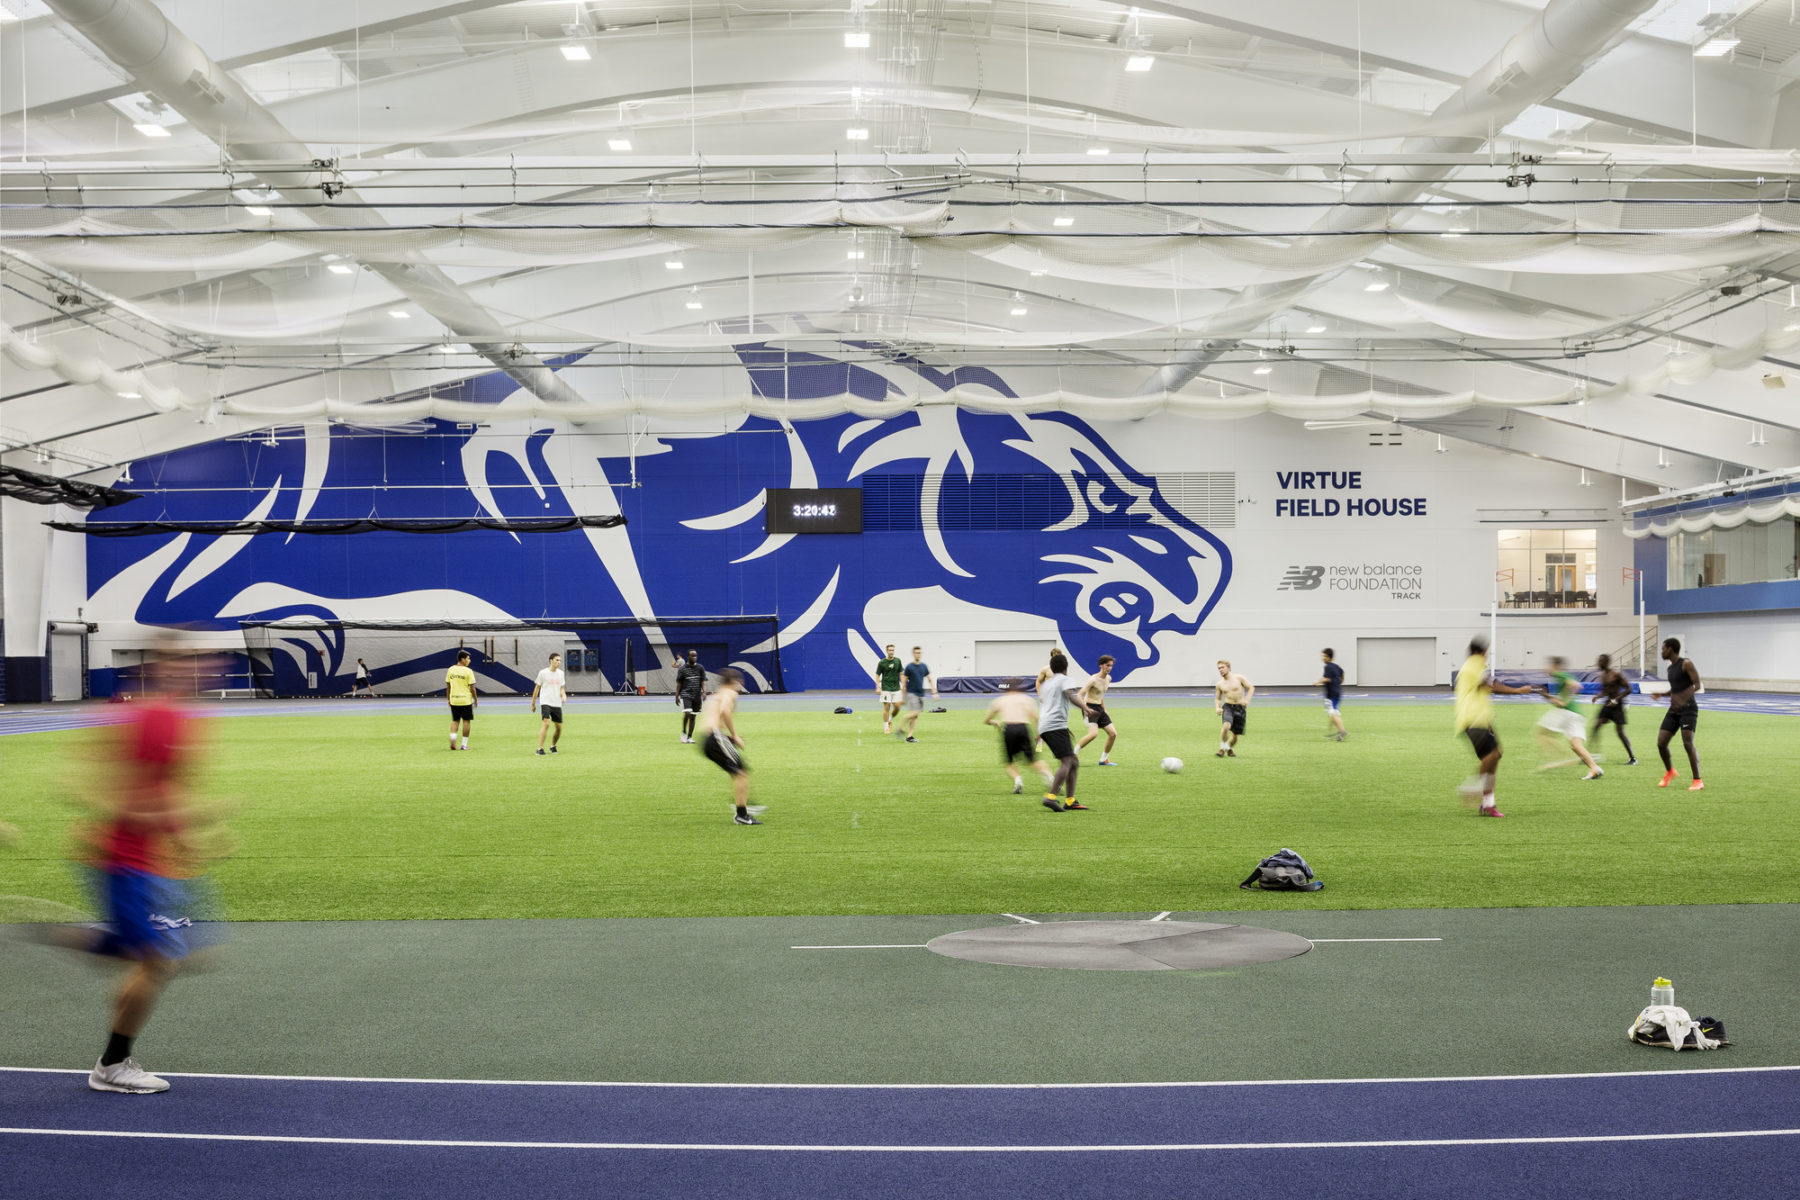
point(1596, 268)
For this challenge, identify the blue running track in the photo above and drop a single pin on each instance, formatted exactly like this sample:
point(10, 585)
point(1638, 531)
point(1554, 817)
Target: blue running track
point(1669, 1135)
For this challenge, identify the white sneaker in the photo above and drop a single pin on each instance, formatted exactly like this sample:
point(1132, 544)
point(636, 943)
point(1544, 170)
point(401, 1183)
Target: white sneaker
point(1018, 787)
point(125, 1076)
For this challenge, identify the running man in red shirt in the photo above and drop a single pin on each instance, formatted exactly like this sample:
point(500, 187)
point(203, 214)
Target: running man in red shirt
point(145, 840)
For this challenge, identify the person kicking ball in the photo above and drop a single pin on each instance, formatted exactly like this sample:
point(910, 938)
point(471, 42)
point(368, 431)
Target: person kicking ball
point(720, 743)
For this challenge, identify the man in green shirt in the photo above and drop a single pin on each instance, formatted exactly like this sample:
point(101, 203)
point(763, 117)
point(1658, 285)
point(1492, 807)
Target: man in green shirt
point(887, 685)
point(1564, 720)
point(459, 688)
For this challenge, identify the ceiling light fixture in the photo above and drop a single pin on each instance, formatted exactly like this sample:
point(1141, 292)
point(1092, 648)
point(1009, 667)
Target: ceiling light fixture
point(1140, 63)
point(618, 143)
point(259, 210)
point(576, 53)
point(1018, 311)
point(857, 133)
point(399, 314)
point(1098, 151)
point(853, 255)
point(856, 39)
point(1315, 329)
point(1716, 48)
point(1456, 231)
point(693, 304)
point(1585, 481)
point(673, 264)
point(341, 269)
point(1063, 222)
point(140, 396)
point(1380, 285)
point(151, 131)
point(1262, 370)
point(1441, 448)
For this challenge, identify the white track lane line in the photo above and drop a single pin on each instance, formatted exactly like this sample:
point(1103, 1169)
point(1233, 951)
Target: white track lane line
point(886, 946)
point(1162, 916)
point(1322, 941)
point(1021, 920)
point(947, 1087)
point(757, 1147)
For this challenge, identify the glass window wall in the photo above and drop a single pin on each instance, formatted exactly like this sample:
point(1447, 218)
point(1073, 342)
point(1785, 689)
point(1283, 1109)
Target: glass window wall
point(1750, 553)
point(1551, 568)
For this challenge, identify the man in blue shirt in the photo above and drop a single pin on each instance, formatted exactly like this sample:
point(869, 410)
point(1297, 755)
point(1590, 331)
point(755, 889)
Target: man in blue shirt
point(1333, 683)
point(918, 678)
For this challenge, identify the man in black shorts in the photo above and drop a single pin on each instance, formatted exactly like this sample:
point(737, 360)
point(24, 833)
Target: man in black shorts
point(1013, 712)
point(690, 691)
point(720, 743)
point(1093, 705)
point(1683, 714)
point(1615, 690)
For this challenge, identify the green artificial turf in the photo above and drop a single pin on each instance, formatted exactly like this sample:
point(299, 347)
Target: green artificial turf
point(367, 815)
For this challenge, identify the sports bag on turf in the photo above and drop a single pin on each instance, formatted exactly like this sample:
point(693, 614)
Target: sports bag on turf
point(1282, 871)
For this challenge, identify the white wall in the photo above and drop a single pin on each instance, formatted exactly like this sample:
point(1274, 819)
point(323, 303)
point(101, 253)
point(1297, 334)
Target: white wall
point(45, 572)
point(1274, 636)
point(1760, 651)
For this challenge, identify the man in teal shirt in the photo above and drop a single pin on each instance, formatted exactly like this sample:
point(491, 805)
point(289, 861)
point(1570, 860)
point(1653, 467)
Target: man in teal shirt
point(1564, 720)
point(887, 686)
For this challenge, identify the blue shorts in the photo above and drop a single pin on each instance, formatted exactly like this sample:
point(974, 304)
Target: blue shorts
point(145, 914)
point(1331, 705)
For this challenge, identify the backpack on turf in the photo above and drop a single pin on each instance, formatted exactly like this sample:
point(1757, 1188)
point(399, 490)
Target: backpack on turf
point(1282, 871)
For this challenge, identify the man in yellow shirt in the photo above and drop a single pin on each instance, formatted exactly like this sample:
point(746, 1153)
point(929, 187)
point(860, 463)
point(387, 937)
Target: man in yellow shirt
point(1475, 686)
point(459, 686)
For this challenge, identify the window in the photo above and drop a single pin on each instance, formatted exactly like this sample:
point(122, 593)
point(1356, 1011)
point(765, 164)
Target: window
point(1551, 568)
point(1750, 553)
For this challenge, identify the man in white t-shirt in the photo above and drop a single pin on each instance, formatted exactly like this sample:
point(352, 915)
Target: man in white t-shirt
point(547, 698)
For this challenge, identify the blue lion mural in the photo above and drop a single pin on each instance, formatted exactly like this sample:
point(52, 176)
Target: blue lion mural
point(976, 522)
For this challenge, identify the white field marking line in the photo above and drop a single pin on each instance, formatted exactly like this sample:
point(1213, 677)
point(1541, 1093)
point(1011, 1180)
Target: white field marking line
point(1322, 941)
point(1162, 916)
point(1021, 920)
point(928, 1087)
point(888, 946)
point(755, 1147)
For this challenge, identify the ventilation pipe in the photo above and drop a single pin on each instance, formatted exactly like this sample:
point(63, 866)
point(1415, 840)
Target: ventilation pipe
point(167, 63)
point(1543, 59)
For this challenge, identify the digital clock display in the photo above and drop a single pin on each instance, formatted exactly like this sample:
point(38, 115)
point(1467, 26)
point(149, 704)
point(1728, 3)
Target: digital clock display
point(813, 510)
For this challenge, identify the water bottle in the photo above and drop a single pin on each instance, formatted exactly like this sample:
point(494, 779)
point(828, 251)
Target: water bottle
point(1662, 992)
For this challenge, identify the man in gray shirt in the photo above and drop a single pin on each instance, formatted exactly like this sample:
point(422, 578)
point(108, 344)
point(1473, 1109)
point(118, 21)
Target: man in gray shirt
point(1054, 697)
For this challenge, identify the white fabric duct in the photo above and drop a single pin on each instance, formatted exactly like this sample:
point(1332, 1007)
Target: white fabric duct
point(1499, 323)
point(1728, 518)
point(1684, 369)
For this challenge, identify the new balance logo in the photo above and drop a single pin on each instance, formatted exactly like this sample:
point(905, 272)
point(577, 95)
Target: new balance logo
point(1301, 579)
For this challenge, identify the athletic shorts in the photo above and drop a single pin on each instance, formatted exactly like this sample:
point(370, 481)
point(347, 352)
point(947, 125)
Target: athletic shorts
point(1058, 743)
point(1098, 719)
point(462, 712)
point(689, 702)
point(145, 914)
point(1331, 705)
point(1565, 722)
point(1614, 713)
point(1681, 718)
point(362, 681)
point(915, 702)
point(1234, 715)
point(890, 697)
point(723, 752)
point(552, 712)
point(1015, 742)
point(1482, 739)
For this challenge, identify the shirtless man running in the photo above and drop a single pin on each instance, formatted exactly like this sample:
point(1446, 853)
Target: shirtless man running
point(1093, 704)
point(1014, 712)
point(1231, 700)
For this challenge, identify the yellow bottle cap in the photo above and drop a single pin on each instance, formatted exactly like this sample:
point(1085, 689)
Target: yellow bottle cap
point(1661, 982)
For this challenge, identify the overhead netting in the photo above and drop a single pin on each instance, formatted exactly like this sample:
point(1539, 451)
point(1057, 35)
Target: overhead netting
point(601, 656)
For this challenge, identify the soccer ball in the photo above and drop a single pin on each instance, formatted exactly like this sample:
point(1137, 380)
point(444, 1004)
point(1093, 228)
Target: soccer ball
point(1172, 765)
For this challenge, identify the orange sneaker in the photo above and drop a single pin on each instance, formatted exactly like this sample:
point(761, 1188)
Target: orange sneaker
point(1668, 777)
point(1699, 785)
